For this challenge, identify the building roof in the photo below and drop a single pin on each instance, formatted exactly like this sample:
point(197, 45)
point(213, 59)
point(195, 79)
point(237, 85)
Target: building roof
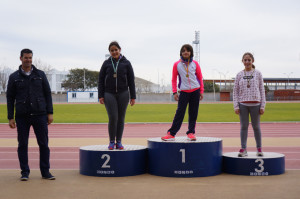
point(266, 80)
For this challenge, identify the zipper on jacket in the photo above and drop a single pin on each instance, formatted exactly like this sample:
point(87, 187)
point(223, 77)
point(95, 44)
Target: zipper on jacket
point(116, 83)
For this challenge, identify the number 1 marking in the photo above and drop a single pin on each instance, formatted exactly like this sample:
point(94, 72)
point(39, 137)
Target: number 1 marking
point(183, 155)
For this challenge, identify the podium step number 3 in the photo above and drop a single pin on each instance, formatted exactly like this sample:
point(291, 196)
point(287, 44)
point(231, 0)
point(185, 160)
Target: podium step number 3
point(252, 165)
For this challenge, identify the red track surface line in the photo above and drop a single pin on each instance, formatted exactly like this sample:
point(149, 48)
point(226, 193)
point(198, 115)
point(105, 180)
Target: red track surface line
point(158, 130)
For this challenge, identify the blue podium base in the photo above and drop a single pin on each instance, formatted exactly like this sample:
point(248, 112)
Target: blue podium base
point(252, 165)
point(97, 160)
point(182, 158)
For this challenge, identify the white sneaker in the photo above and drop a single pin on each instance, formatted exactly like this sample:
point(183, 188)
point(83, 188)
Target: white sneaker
point(259, 152)
point(243, 153)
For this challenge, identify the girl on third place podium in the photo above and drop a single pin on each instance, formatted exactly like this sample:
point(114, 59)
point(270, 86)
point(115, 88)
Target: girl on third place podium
point(249, 98)
point(115, 77)
point(192, 88)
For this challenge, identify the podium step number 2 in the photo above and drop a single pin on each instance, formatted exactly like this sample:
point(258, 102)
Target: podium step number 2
point(97, 160)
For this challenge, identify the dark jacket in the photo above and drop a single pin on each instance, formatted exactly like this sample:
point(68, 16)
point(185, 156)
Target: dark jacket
point(125, 78)
point(31, 95)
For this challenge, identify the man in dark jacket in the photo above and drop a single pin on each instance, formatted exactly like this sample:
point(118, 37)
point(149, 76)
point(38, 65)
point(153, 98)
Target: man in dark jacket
point(28, 92)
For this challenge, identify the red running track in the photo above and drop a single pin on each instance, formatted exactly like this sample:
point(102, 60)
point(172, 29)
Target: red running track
point(68, 157)
point(147, 130)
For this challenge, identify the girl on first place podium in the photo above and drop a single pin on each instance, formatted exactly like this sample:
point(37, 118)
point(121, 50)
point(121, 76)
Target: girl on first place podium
point(192, 88)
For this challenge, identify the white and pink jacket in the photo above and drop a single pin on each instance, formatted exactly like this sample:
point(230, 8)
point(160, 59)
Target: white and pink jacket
point(188, 84)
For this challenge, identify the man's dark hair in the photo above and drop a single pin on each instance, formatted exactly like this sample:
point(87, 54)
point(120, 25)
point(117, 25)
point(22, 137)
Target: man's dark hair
point(27, 51)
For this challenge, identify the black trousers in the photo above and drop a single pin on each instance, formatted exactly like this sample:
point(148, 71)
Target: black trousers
point(116, 106)
point(40, 126)
point(184, 99)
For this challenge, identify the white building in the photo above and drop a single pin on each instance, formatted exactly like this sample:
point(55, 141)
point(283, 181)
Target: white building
point(55, 79)
point(82, 96)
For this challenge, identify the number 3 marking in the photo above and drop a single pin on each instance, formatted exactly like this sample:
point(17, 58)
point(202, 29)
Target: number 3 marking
point(105, 165)
point(260, 165)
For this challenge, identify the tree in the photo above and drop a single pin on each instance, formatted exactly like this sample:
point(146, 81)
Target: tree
point(4, 75)
point(47, 68)
point(208, 87)
point(267, 89)
point(38, 63)
point(81, 80)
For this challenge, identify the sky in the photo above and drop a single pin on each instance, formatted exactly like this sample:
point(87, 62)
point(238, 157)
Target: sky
point(76, 34)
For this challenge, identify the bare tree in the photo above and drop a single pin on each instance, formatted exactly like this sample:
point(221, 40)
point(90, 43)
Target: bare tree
point(47, 68)
point(4, 74)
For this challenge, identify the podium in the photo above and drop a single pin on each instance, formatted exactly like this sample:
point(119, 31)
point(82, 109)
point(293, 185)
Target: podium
point(97, 160)
point(183, 158)
point(252, 165)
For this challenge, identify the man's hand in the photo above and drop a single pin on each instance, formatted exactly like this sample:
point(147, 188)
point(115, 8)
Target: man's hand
point(261, 111)
point(12, 123)
point(50, 118)
point(101, 100)
point(132, 102)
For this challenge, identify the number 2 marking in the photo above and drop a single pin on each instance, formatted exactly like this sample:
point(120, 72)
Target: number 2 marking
point(261, 161)
point(105, 165)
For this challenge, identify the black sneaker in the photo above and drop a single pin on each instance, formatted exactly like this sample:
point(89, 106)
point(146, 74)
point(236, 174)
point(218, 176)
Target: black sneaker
point(48, 176)
point(24, 177)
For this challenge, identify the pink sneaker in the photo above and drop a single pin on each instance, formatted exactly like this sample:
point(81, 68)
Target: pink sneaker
point(168, 137)
point(243, 153)
point(191, 137)
point(259, 152)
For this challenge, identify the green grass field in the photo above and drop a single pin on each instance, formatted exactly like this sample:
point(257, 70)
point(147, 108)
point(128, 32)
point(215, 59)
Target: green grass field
point(96, 113)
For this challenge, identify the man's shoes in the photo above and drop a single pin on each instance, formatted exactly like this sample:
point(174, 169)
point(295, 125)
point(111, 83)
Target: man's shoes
point(119, 146)
point(48, 176)
point(191, 137)
point(259, 152)
point(24, 177)
point(243, 153)
point(168, 137)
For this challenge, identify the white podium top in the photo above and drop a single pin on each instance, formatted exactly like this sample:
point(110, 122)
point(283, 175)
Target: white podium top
point(252, 155)
point(185, 140)
point(105, 148)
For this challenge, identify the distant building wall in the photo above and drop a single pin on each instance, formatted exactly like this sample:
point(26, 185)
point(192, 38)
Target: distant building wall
point(82, 96)
point(287, 94)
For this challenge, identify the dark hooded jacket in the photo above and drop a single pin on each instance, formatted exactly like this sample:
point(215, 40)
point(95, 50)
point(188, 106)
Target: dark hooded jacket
point(124, 80)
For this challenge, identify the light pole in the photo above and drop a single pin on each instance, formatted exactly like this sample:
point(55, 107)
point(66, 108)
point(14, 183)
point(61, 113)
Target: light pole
point(288, 76)
point(83, 79)
point(224, 78)
point(214, 83)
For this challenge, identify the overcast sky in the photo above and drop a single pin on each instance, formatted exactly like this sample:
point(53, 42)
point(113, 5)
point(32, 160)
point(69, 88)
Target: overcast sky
point(76, 34)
